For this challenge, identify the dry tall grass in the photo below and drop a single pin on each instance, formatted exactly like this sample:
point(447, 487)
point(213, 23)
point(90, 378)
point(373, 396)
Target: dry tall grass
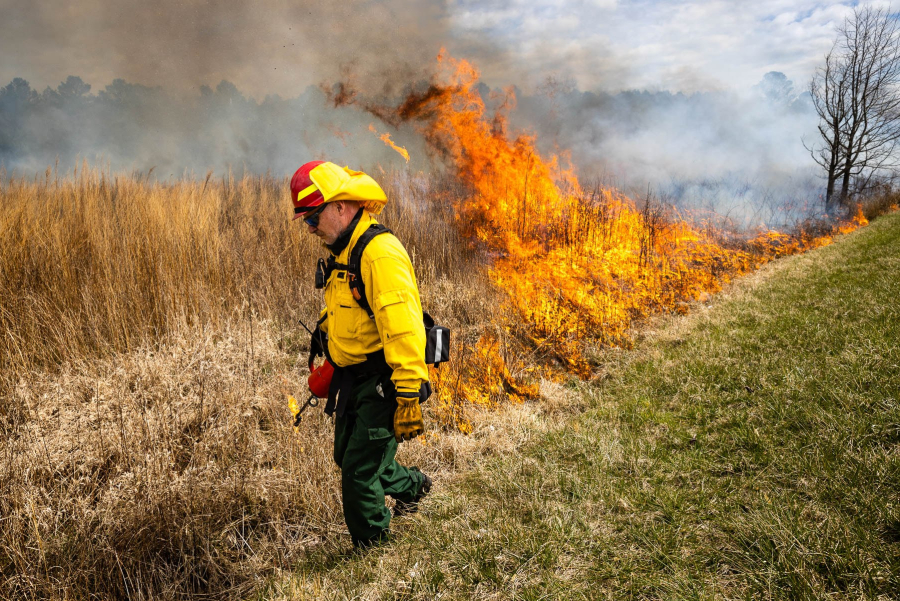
point(148, 334)
point(97, 262)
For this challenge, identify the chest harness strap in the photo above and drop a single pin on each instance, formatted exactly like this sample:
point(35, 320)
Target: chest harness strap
point(352, 267)
point(345, 378)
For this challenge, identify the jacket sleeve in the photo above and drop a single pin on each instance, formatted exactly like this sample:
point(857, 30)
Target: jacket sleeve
point(394, 299)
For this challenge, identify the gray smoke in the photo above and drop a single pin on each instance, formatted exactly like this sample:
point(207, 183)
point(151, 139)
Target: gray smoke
point(740, 155)
point(263, 46)
point(129, 127)
point(185, 87)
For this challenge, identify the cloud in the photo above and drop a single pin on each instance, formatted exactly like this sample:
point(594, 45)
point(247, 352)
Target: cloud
point(682, 45)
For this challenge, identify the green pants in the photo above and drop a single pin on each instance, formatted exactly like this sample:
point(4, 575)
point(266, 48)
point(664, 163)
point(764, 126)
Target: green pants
point(364, 449)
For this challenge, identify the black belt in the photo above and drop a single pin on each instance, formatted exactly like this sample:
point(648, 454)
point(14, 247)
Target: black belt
point(345, 379)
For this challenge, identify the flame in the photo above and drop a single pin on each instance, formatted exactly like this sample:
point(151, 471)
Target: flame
point(386, 138)
point(479, 376)
point(576, 265)
point(858, 221)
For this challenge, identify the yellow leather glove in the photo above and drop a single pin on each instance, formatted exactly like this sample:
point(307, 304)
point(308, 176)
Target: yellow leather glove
point(408, 417)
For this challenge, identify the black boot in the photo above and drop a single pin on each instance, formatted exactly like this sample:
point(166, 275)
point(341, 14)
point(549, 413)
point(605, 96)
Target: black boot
point(360, 545)
point(402, 508)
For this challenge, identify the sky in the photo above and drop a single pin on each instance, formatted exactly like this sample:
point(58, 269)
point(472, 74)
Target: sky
point(279, 47)
point(682, 46)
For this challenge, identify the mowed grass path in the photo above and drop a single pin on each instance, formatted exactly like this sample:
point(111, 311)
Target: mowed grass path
point(750, 450)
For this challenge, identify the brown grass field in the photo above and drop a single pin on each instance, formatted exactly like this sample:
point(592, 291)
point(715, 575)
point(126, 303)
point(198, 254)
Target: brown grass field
point(149, 335)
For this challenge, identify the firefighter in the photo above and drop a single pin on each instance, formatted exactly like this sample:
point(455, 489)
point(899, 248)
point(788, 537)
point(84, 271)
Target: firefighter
point(371, 330)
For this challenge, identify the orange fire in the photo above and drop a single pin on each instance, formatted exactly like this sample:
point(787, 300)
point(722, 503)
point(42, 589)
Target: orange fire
point(576, 265)
point(386, 138)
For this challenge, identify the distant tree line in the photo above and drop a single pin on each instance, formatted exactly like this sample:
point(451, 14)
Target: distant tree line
point(692, 147)
point(134, 127)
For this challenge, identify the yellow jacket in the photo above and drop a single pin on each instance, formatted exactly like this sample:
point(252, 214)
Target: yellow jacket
point(390, 284)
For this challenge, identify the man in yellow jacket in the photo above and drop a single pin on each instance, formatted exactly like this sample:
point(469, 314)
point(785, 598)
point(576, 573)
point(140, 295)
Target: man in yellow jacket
point(371, 330)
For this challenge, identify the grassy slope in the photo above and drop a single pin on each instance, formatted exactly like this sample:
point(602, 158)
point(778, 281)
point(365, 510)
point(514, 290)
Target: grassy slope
point(750, 450)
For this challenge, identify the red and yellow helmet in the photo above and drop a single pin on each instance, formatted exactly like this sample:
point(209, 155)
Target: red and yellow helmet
point(318, 182)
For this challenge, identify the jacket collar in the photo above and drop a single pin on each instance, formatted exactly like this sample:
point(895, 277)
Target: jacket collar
point(343, 239)
point(356, 228)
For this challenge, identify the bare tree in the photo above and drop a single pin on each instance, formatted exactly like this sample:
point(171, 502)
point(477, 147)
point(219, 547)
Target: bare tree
point(828, 96)
point(857, 97)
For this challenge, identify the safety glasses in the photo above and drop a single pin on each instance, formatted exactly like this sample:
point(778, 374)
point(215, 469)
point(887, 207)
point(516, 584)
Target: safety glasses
point(313, 219)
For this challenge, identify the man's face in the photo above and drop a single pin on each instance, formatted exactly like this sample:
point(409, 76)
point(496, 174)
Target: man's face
point(331, 222)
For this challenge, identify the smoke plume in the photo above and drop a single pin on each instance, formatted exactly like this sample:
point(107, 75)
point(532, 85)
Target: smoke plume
point(197, 86)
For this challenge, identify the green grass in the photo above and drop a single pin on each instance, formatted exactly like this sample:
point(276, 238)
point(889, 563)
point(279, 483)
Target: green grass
point(748, 451)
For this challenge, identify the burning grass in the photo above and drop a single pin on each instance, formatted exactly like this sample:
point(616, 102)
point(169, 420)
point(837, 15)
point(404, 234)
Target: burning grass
point(576, 266)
